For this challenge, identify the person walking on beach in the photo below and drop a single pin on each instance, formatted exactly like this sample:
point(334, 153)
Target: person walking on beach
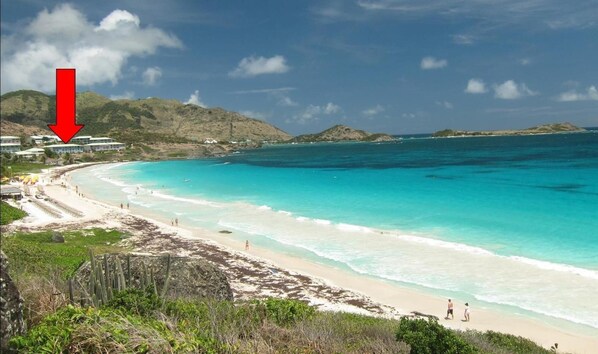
point(449, 310)
point(127, 205)
point(466, 314)
point(176, 221)
point(121, 205)
point(246, 245)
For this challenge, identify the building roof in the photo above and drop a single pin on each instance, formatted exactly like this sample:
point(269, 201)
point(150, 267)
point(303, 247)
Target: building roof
point(101, 138)
point(103, 144)
point(9, 137)
point(83, 137)
point(10, 144)
point(9, 190)
point(63, 145)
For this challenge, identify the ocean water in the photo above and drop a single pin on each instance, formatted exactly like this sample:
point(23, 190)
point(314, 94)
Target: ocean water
point(501, 222)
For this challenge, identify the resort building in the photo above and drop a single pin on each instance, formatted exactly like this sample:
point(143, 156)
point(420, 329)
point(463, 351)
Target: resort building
point(42, 139)
point(82, 140)
point(9, 148)
point(8, 139)
point(100, 140)
point(210, 141)
point(65, 148)
point(113, 146)
point(10, 192)
point(30, 153)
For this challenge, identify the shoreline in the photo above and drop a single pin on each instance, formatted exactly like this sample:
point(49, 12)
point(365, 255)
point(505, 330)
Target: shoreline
point(343, 290)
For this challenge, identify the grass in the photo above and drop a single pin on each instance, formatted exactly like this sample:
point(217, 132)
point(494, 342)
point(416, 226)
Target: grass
point(35, 253)
point(9, 213)
point(138, 321)
point(19, 168)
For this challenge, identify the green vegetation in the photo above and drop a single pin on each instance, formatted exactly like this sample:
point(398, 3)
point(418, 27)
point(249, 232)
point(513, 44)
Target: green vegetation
point(14, 168)
point(140, 320)
point(9, 213)
point(34, 254)
point(429, 337)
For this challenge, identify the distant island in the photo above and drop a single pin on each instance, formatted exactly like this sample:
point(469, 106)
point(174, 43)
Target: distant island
point(339, 133)
point(540, 129)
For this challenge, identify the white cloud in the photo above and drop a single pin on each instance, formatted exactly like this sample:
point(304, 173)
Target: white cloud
point(285, 101)
point(253, 66)
point(151, 75)
point(429, 63)
point(463, 39)
point(445, 104)
point(372, 111)
point(525, 61)
point(476, 86)
point(510, 90)
point(253, 114)
point(553, 14)
point(312, 112)
point(591, 94)
point(195, 99)
point(64, 38)
point(128, 95)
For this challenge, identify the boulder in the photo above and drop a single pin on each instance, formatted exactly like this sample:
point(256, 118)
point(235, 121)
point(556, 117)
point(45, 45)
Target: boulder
point(57, 237)
point(11, 307)
point(190, 278)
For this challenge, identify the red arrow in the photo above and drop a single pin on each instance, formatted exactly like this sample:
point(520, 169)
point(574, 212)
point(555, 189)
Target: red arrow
point(66, 119)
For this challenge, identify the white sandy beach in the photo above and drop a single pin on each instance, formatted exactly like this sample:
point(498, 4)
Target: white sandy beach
point(261, 272)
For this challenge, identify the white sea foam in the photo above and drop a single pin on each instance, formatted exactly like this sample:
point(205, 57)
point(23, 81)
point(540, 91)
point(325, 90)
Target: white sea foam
point(322, 221)
point(444, 244)
point(586, 273)
point(285, 212)
point(567, 315)
point(188, 200)
point(354, 228)
point(264, 207)
point(301, 218)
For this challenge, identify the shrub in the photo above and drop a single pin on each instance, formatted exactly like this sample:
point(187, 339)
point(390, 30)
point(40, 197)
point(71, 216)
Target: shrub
point(429, 337)
point(9, 213)
point(286, 312)
point(138, 301)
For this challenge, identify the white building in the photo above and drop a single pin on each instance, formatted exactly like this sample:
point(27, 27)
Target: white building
point(113, 146)
point(9, 139)
point(9, 148)
point(42, 139)
point(100, 140)
point(210, 141)
point(30, 153)
point(65, 148)
point(82, 140)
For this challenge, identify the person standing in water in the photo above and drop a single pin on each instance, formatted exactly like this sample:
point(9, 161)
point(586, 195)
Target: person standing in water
point(449, 310)
point(246, 245)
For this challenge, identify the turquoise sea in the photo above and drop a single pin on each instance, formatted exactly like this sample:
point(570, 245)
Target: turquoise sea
point(502, 222)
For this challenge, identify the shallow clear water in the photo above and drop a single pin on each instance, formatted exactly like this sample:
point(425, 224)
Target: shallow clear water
point(508, 221)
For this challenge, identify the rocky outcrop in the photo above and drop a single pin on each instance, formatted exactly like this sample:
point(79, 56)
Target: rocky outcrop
point(11, 306)
point(189, 277)
point(553, 128)
point(342, 133)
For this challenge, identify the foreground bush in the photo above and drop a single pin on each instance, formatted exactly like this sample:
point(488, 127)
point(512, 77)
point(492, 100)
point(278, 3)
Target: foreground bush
point(9, 213)
point(429, 337)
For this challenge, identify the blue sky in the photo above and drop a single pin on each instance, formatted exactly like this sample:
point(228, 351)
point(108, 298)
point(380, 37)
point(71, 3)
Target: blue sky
point(397, 66)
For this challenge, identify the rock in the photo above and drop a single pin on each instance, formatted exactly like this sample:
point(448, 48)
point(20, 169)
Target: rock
point(342, 133)
point(189, 277)
point(57, 237)
point(225, 232)
point(11, 307)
